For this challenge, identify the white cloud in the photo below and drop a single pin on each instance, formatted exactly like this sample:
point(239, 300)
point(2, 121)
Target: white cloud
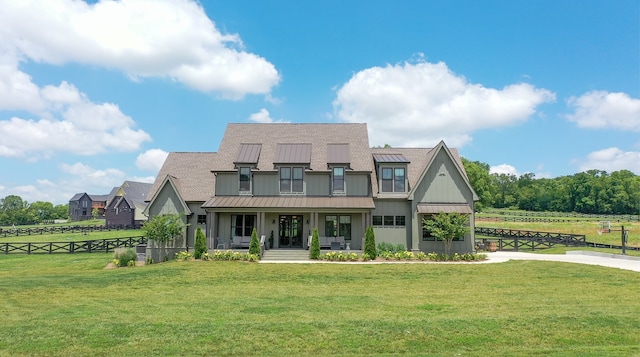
point(504, 169)
point(84, 127)
point(419, 104)
point(151, 160)
point(148, 38)
point(612, 159)
point(263, 116)
point(601, 109)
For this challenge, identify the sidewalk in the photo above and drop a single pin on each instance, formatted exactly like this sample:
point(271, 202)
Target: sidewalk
point(580, 257)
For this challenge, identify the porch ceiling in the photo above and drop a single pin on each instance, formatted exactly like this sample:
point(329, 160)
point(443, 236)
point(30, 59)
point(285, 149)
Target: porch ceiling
point(435, 208)
point(289, 202)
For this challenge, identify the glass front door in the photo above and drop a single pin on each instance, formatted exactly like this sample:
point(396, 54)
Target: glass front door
point(291, 232)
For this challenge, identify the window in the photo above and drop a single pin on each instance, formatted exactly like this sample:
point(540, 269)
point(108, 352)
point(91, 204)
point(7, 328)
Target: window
point(389, 221)
point(335, 226)
point(245, 179)
point(338, 179)
point(202, 219)
point(242, 225)
point(291, 179)
point(393, 179)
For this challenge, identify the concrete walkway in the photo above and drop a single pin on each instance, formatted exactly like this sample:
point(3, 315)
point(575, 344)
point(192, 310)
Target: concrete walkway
point(580, 257)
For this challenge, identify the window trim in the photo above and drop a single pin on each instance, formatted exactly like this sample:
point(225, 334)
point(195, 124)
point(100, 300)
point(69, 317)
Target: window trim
point(293, 181)
point(394, 180)
point(338, 178)
point(248, 180)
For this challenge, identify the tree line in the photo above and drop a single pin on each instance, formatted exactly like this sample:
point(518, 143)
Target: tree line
point(591, 192)
point(15, 210)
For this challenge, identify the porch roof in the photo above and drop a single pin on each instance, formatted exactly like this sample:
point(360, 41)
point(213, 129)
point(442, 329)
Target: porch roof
point(363, 203)
point(435, 208)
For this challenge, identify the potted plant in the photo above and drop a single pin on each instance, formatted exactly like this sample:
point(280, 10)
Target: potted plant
point(270, 245)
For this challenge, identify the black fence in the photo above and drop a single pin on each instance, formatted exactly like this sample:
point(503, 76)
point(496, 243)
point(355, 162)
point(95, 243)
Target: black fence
point(31, 231)
point(608, 217)
point(87, 246)
point(513, 239)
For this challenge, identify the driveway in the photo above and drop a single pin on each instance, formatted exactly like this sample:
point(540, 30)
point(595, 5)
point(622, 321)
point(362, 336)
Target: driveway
point(581, 257)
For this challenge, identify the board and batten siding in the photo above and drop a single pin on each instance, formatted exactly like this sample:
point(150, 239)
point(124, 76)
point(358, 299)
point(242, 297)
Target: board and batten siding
point(396, 234)
point(357, 184)
point(317, 184)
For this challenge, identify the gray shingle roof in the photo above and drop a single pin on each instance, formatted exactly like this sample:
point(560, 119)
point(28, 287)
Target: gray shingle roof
point(192, 175)
point(318, 135)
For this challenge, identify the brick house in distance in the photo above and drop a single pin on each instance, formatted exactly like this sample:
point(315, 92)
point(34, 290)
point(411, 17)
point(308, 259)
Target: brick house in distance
point(287, 179)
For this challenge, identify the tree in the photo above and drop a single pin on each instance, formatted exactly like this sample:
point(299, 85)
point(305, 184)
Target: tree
point(201, 244)
point(447, 227)
point(370, 243)
point(42, 211)
point(164, 228)
point(314, 250)
point(254, 246)
point(95, 213)
point(481, 181)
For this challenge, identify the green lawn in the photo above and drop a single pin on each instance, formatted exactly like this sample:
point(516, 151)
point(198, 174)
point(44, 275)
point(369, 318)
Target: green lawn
point(63, 305)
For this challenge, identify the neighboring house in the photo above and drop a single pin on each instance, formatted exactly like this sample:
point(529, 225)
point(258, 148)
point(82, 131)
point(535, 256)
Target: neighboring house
point(291, 178)
point(81, 206)
point(126, 204)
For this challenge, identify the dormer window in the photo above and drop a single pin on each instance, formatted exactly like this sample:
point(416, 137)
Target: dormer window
point(392, 171)
point(337, 180)
point(244, 174)
point(291, 179)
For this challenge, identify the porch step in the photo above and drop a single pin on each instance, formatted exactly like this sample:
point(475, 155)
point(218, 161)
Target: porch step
point(286, 255)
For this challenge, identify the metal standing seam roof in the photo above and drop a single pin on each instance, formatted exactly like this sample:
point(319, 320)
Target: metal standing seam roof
point(338, 154)
point(293, 154)
point(435, 208)
point(289, 202)
point(248, 154)
point(390, 158)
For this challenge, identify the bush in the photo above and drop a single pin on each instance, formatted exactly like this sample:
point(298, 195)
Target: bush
point(122, 257)
point(254, 247)
point(201, 244)
point(390, 247)
point(183, 255)
point(314, 250)
point(370, 243)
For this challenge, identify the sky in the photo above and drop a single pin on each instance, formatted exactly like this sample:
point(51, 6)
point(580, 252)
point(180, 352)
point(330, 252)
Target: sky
point(96, 93)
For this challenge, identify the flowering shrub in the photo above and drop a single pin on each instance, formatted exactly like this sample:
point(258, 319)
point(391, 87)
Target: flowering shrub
point(422, 256)
point(231, 255)
point(184, 255)
point(467, 257)
point(205, 256)
point(404, 255)
point(340, 257)
point(122, 257)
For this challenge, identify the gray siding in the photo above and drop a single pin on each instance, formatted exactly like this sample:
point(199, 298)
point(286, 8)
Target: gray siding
point(395, 235)
point(357, 184)
point(227, 184)
point(265, 184)
point(443, 183)
point(317, 184)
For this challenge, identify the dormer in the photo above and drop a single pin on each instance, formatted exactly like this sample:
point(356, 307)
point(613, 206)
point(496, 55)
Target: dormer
point(338, 161)
point(391, 171)
point(291, 161)
point(246, 161)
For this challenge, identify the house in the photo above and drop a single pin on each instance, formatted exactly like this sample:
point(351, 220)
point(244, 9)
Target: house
point(82, 204)
point(287, 179)
point(126, 204)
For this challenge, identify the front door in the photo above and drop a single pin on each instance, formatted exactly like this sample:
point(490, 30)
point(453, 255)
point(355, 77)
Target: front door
point(291, 231)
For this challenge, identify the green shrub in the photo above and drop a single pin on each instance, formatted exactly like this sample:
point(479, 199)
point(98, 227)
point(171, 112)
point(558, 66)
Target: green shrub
point(201, 244)
point(390, 247)
point(370, 243)
point(254, 247)
point(221, 255)
point(314, 250)
point(122, 256)
point(183, 255)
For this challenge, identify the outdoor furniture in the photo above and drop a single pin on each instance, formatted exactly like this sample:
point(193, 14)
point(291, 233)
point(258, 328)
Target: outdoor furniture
point(335, 245)
point(240, 242)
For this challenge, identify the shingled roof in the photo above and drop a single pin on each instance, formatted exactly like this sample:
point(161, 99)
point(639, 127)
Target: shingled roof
point(318, 136)
point(191, 171)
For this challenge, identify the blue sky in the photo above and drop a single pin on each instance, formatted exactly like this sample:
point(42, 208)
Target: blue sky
point(95, 93)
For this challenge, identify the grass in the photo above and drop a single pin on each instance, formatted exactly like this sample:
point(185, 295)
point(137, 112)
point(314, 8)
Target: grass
point(68, 237)
point(69, 305)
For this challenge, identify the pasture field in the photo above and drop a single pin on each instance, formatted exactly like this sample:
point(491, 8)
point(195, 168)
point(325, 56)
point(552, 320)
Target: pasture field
point(69, 236)
point(68, 304)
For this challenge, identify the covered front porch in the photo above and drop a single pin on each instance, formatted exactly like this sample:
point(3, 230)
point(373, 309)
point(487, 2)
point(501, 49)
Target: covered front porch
point(287, 222)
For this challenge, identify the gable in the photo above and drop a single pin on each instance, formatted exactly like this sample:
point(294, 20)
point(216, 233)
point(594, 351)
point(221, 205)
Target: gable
point(167, 200)
point(443, 182)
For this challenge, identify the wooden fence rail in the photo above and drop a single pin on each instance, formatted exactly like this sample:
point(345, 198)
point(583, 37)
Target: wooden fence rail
point(87, 246)
point(611, 217)
point(16, 232)
point(517, 239)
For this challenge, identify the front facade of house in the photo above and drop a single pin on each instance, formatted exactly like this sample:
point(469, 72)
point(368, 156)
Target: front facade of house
point(287, 179)
point(81, 206)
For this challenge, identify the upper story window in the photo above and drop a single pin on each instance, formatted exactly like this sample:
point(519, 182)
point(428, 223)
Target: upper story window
point(337, 180)
point(291, 179)
point(393, 179)
point(245, 179)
